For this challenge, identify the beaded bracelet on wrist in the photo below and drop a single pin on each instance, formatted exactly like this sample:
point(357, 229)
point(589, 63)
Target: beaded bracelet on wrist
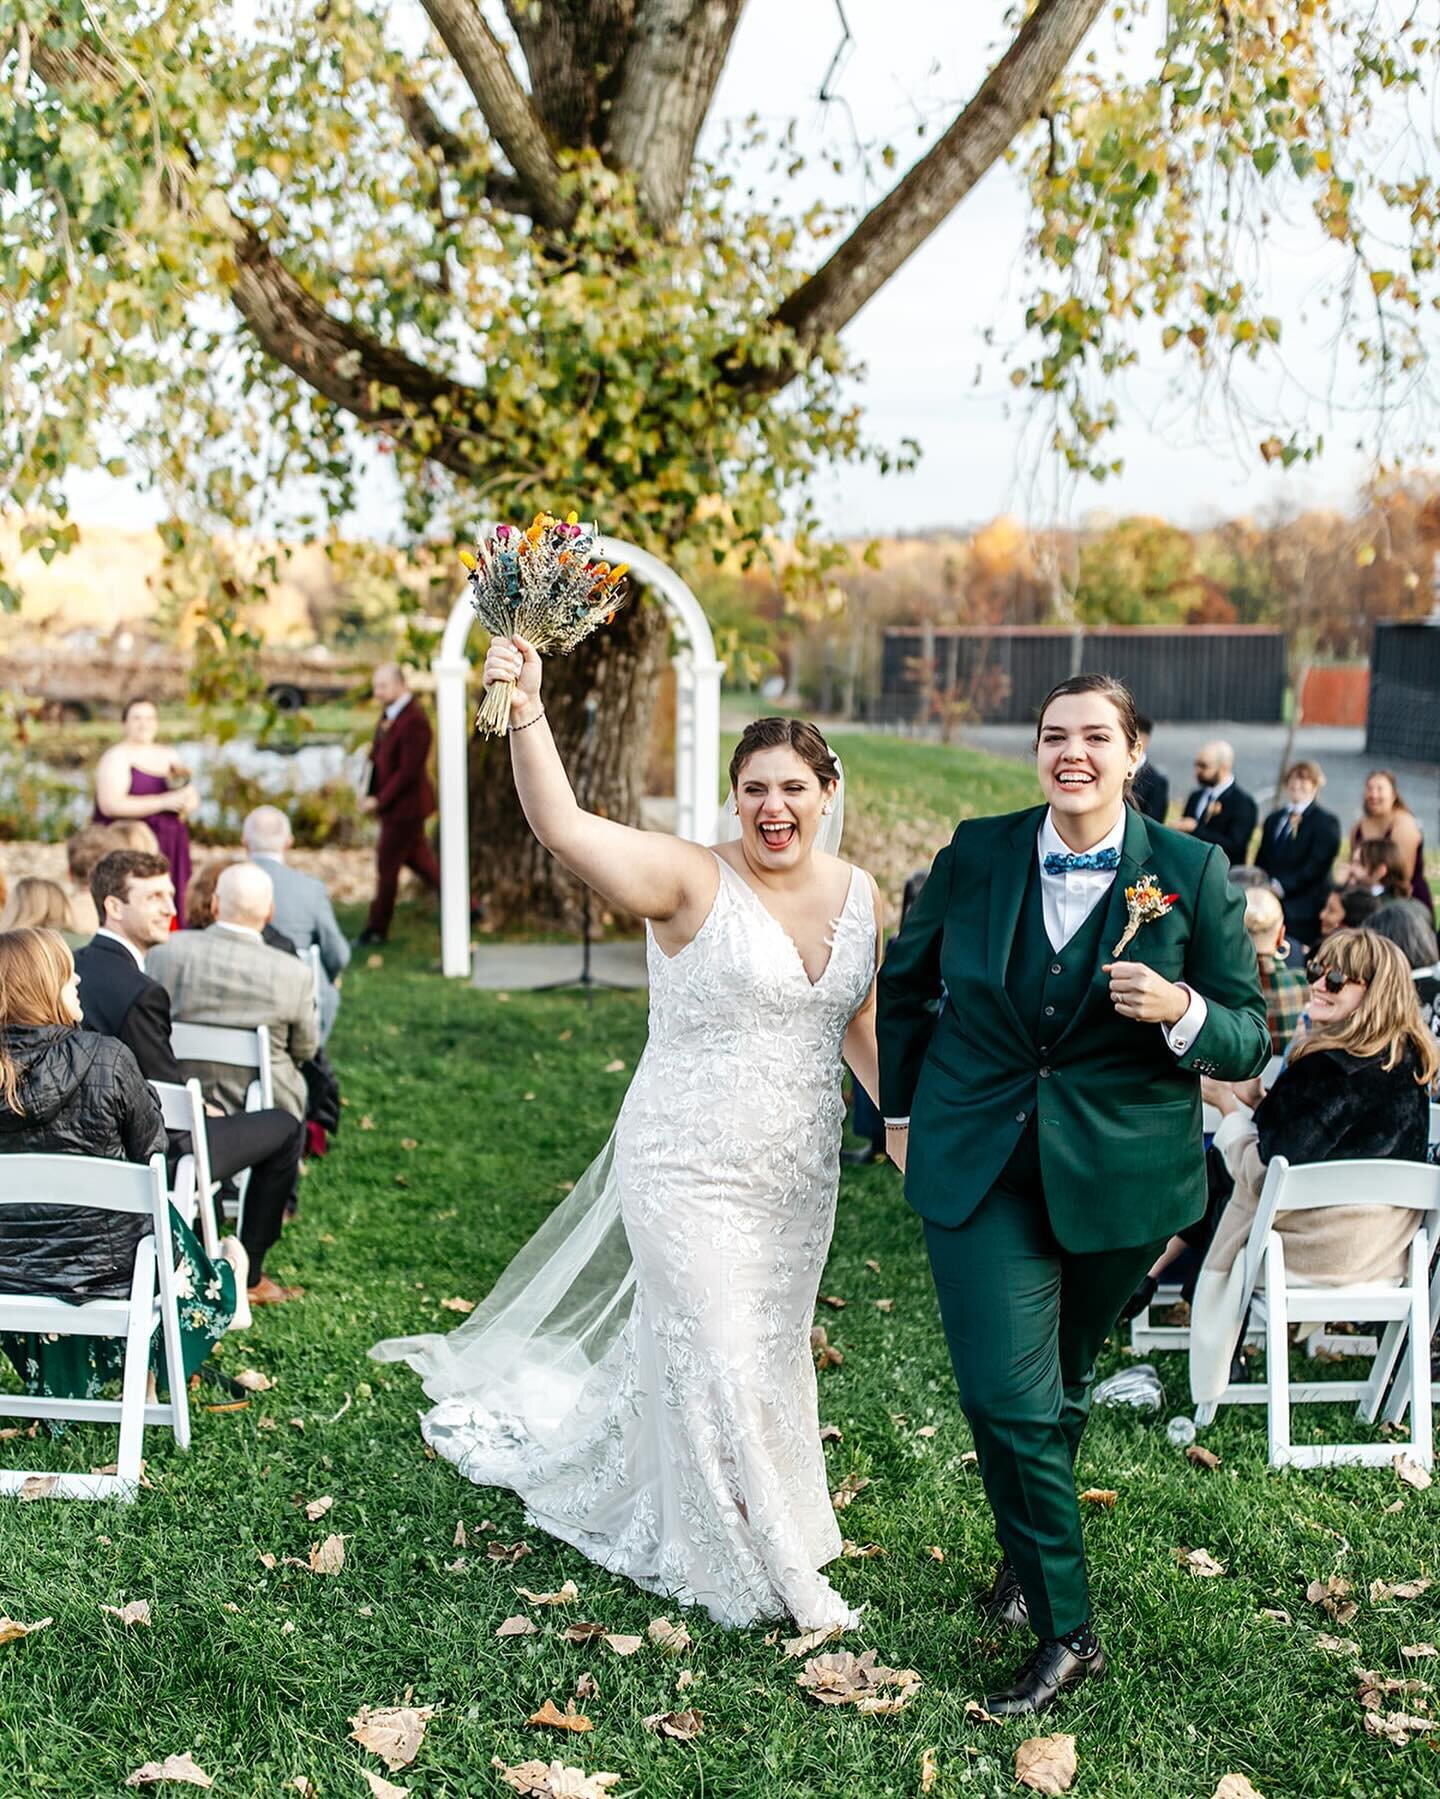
point(528, 722)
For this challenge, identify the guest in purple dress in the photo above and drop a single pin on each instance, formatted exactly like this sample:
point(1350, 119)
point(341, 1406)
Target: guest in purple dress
point(139, 778)
point(1386, 816)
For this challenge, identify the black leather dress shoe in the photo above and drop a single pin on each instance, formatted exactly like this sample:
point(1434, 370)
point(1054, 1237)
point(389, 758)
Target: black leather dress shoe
point(1046, 1673)
point(367, 937)
point(1005, 1603)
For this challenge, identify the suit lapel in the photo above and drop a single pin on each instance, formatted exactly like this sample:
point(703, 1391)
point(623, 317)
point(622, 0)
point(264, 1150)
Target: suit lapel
point(1009, 874)
point(1133, 854)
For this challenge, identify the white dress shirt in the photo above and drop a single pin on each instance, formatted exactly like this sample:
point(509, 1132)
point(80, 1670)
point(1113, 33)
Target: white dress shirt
point(396, 707)
point(1209, 795)
point(115, 937)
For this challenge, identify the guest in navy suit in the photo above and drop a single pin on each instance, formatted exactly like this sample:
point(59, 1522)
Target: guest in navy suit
point(1219, 810)
point(1298, 847)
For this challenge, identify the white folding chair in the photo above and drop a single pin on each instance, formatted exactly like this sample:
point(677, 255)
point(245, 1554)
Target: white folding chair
point(106, 1186)
point(1404, 1305)
point(311, 957)
point(236, 1048)
point(193, 1194)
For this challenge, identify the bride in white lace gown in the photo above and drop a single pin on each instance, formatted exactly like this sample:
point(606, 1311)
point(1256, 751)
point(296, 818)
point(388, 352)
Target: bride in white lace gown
point(642, 1374)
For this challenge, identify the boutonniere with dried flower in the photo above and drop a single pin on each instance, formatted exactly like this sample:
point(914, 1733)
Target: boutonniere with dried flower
point(1145, 903)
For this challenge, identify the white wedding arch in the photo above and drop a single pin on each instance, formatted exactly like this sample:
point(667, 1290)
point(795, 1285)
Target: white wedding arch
point(697, 734)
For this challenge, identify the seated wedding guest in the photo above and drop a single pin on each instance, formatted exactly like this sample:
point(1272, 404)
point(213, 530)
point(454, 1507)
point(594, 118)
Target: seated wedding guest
point(1285, 989)
point(227, 974)
point(200, 902)
point(1219, 810)
point(68, 1091)
point(38, 904)
point(1149, 787)
point(1407, 923)
point(142, 779)
point(1346, 908)
point(134, 898)
point(1384, 815)
point(1378, 867)
point(82, 852)
point(302, 905)
point(1353, 1089)
point(1298, 846)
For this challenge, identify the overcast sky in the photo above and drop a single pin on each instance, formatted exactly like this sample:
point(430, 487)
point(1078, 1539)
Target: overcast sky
point(929, 374)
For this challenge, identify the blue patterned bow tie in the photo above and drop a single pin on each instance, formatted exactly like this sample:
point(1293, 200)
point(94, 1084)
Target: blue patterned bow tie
point(1057, 864)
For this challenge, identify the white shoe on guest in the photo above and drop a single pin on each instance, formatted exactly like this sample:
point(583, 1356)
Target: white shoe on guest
point(233, 1251)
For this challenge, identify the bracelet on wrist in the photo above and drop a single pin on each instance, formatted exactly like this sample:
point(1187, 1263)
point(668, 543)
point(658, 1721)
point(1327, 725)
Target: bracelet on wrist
point(528, 722)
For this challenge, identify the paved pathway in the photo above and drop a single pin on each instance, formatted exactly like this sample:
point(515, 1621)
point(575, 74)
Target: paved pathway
point(525, 967)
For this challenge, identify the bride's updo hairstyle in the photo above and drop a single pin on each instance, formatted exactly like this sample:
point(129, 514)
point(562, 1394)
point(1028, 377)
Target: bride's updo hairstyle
point(796, 734)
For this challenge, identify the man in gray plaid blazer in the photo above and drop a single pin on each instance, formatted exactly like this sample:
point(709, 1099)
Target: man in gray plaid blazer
point(229, 975)
point(303, 911)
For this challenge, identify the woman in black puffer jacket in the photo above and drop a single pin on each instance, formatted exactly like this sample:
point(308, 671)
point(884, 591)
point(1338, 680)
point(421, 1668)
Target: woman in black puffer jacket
point(64, 1091)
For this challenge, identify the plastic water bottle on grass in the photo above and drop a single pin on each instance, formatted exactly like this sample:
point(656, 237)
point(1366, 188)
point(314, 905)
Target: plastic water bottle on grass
point(1181, 1431)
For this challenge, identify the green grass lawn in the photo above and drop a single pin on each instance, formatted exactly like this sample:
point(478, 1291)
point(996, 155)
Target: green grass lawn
point(257, 1671)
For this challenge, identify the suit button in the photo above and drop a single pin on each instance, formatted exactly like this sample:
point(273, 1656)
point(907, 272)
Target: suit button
point(1049, 1011)
point(1044, 1074)
point(1055, 968)
point(1019, 1118)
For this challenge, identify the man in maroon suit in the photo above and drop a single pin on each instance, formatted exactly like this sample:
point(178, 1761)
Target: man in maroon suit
point(400, 795)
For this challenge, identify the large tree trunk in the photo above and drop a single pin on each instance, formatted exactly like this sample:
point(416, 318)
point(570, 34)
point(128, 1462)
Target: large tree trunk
point(517, 882)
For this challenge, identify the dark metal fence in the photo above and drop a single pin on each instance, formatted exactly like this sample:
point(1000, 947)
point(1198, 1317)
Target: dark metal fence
point(1403, 721)
point(1200, 672)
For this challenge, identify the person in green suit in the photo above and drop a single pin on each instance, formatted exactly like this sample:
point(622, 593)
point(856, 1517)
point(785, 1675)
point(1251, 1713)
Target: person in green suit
point(1040, 1066)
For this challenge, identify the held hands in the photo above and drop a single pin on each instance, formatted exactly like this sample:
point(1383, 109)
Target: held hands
point(185, 799)
point(1137, 992)
point(513, 659)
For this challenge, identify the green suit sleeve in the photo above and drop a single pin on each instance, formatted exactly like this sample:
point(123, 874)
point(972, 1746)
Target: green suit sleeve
point(908, 988)
point(1234, 1042)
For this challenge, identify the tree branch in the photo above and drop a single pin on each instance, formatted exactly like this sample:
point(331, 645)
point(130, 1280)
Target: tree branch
point(1010, 97)
point(432, 134)
point(513, 121)
point(677, 50)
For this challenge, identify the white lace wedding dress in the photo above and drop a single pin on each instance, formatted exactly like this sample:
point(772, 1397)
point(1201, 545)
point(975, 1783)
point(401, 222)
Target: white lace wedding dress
point(642, 1375)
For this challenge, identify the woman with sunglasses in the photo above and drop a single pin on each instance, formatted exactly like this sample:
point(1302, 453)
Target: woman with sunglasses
point(1354, 1088)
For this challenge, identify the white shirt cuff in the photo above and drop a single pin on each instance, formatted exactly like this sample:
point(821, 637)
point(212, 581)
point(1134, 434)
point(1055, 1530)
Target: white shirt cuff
point(1234, 1128)
point(897, 1124)
point(1181, 1036)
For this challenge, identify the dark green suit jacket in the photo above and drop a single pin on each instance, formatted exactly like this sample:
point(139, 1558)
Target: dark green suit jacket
point(1117, 1112)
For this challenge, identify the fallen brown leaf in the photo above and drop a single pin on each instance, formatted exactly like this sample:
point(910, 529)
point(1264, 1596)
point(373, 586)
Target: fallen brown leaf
point(179, 1768)
point(460, 1541)
point(379, 1786)
point(375, 960)
point(267, 1560)
point(846, 1679)
point(935, 1552)
point(1236, 1786)
point(1411, 1473)
point(550, 1716)
point(317, 1508)
point(1046, 1764)
point(568, 1593)
point(686, 1680)
point(1207, 1458)
point(581, 1631)
point(976, 1713)
point(587, 1687)
point(1414, 1652)
point(1103, 1496)
point(136, 1612)
point(848, 1488)
point(927, 1430)
point(1396, 1505)
point(518, 1626)
point(873, 1266)
point(38, 1486)
point(393, 1732)
point(825, 1353)
point(684, 1725)
point(458, 1305)
point(622, 1645)
point(616, 1066)
point(884, 1305)
point(1335, 1645)
point(812, 1639)
point(969, 1459)
point(831, 1433)
point(553, 1780)
point(1398, 1727)
point(929, 1770)
point(408, 1143)
point(674, 1639)
point(834, 1301)
point(367, 1123)
point(1398, 1589)
point(327, 1557)
point(1270, 1611)
point(862, 1552)
point(253, 1381)
point(1200, 1562)
point(507, 1552)
point(11, 1629)
point(1332, 1597)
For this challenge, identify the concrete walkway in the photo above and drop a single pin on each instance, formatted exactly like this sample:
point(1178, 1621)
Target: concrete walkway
point(528, 967)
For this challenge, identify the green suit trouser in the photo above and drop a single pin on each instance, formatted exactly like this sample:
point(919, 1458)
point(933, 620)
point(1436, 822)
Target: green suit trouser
point(1025, 1320)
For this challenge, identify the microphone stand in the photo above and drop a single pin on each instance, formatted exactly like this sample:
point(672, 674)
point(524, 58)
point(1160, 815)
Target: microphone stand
point(587, 980)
